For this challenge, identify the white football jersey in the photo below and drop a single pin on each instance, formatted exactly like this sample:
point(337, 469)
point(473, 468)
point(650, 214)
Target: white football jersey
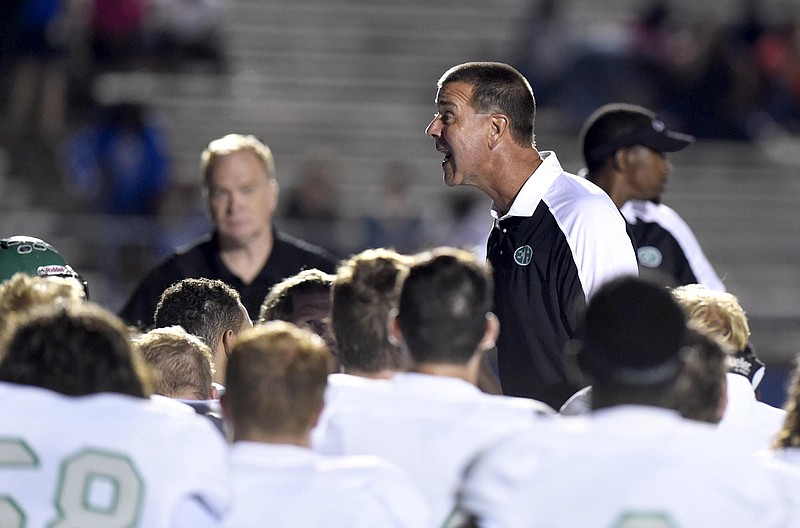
point(627, 466)
point(287, 486)
point(430, 426)
point(748, 424)
point(105, 460)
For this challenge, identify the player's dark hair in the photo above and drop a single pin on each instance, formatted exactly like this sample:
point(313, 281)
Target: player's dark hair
point(279, 304)
point(76, 350)
point(203, 307)
point(443, 306)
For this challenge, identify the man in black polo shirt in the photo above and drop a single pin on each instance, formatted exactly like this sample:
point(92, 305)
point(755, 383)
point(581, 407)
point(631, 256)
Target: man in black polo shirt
point(556, 237)
point(244, 250)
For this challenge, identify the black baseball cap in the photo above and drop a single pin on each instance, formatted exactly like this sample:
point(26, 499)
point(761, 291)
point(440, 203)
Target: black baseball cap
point(615, 126)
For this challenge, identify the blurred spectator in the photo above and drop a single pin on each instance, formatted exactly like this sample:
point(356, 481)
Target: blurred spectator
point(35, 38)
point(191, 31)
point(397, 222)
point(699, 86)
point(466, 226)
point(649, 33)
point(315, 195)
point(182, 217)
point(116, 32)
point(313, 201)
point(778, 56)
point(118, 165)
point(546, 48)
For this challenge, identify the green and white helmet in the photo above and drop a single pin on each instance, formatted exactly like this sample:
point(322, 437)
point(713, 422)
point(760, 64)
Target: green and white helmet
point(34, 257)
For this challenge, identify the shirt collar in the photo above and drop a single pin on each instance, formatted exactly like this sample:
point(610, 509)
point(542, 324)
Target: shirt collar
point(273, 455)
point(534, 188)
point(429, 384)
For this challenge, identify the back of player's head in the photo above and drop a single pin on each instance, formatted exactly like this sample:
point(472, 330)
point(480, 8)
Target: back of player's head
point(276, 379)
point(444, 302)
point(34, 257)
point(700, 392)
point(22, 292)
point(182, 364)
point(75, 349)
point(364, 292)
point(203, 307)
point(632, 336)
point(280, 303)
point(498, 87)
point(618, 125)
point(715, 312)
point(235, 143)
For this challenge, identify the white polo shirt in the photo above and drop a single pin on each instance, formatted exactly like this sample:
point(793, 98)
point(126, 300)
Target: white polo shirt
point(430, 426)
point(287, 486)
point(627, 466)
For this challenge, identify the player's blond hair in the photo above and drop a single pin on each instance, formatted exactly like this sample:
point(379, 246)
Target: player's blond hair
point(715, 312)
point(22, 292)
point(275, 380)
point(180, 361)
point(235, 143)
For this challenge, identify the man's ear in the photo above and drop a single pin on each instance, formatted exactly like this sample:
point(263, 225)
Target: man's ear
point(223, 404)
point(491, 333)
point(498, 129)
point(620, 159)
point(275, 191)
point(393, 332)
point(228, 340)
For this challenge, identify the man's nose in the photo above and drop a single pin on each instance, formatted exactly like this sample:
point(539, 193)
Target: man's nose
point(434, 128)
point(234, 202)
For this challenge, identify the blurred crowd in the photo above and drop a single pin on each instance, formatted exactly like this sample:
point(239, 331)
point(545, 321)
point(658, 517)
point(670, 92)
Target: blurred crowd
point(715, 79)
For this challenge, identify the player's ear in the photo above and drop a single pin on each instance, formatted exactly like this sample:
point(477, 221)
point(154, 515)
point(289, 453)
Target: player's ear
point(393, 332)
point(223, 403)
point(491, 333)
point(228, 340)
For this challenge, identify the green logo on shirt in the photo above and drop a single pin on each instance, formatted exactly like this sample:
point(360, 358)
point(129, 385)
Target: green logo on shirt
point(653, 519)
point(649, 256)
point(523, 255)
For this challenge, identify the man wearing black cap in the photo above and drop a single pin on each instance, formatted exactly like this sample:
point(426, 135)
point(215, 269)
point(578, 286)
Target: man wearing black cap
point(623, 146)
